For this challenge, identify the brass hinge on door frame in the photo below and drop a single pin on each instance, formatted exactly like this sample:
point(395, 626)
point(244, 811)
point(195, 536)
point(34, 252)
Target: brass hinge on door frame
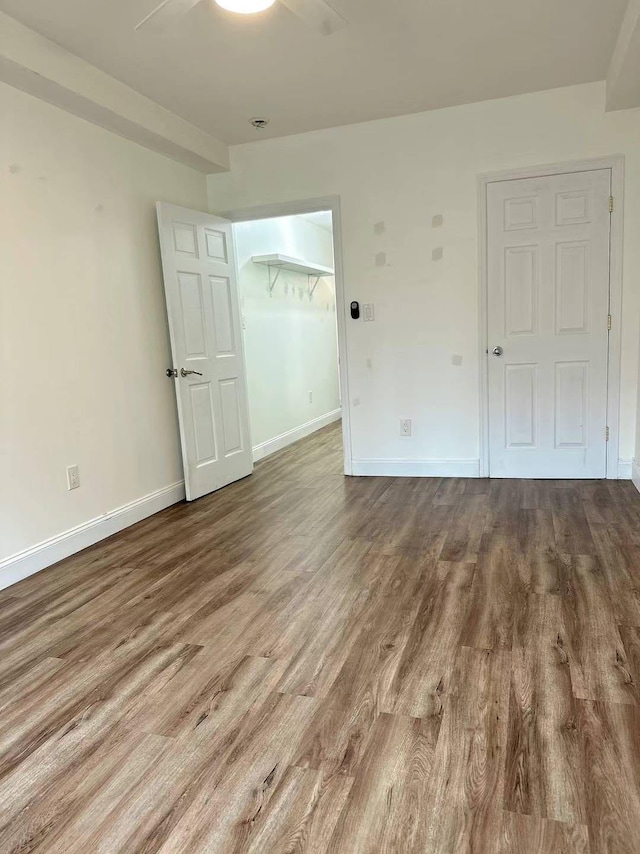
point(610, 204)
point(606, 434)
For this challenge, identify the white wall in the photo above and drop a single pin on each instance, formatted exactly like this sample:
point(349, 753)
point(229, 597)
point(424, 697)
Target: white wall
point(290, 340)
point(635, 467)
point(83, 338)
point(393, 176)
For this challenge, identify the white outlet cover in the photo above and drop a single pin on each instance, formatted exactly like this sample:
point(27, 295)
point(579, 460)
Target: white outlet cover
point(368, 313)
point(73, 477)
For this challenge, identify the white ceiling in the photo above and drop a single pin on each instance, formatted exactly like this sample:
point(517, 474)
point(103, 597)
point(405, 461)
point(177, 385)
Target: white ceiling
point(217, 70)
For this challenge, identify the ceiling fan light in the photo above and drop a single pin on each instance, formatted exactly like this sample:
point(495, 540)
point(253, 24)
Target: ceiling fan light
point(245, 7)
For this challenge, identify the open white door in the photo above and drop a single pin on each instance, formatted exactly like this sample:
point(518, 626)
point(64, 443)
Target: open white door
point(201, 290)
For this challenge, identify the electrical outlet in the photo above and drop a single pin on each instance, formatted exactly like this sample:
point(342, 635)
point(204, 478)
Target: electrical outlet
point(367, 312)
point(405, 426)
point(73, 477)
point(310, 397)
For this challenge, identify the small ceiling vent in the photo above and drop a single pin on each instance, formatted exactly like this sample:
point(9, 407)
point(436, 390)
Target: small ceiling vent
point(259, 123)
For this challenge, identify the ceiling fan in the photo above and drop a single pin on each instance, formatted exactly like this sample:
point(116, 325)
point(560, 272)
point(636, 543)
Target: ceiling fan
point(316, 13)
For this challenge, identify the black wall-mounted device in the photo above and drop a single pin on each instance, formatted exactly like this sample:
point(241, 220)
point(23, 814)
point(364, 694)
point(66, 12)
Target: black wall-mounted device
point(355, 310)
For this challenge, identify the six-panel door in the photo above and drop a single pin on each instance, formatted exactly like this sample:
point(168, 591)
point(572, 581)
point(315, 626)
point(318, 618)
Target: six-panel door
point(548, 305)
point(206, 341)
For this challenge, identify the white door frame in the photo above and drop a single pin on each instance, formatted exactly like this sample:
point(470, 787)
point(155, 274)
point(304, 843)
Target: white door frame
point(293, 208)
point(616, 165)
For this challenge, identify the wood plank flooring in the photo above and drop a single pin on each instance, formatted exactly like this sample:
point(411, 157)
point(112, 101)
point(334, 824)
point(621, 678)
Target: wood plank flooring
point(309, 663)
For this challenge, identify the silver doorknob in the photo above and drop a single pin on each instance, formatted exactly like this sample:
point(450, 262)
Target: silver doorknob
point(497, 351)
point(184, 373)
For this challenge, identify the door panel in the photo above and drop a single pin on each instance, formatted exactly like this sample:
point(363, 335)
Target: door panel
point(231, 416)
point(206, 338)
point(223, 316)
point(572, 404)
point(520, 408)
point(191, 305)
point(216, 244)
point(572, 287)
point(548, 303)
point(521, 290)
point(203, 415)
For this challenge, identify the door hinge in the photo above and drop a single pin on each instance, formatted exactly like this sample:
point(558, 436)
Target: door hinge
point(609, 322)
point(610, 204)
point(606, 434)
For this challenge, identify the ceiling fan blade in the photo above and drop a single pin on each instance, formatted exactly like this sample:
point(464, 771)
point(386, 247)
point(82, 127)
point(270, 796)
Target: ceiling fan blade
point(318, 13)
point(164, 14)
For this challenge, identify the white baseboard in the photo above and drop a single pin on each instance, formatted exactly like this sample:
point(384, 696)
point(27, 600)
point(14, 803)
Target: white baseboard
point(624, 469)
point(291, 436)
point(28, 562)
point(416, 468)
point(635, 474)
point(454, 468)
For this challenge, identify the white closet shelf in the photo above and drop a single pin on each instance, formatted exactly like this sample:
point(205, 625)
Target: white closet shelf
point(297, 265)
